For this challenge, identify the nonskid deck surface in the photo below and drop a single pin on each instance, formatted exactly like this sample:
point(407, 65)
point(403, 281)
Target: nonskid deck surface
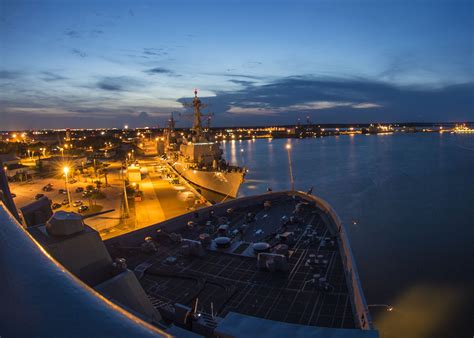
point(222, 282)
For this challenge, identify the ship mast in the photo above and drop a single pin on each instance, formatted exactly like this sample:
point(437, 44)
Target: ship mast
point(170, 129)
point(197, 114)
point(197, 124)
point(171, 123)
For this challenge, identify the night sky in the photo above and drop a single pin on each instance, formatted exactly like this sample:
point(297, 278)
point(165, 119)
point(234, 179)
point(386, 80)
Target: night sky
point(109, 63)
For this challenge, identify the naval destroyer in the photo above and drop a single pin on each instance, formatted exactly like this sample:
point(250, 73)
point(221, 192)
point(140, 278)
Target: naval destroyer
point(198, 158)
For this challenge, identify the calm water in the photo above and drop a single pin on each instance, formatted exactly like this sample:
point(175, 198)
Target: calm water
point(408, 202)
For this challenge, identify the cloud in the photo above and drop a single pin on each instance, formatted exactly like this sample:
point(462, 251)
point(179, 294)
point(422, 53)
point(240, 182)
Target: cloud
point(307, 106)
point(78, 52)
point(281, 101)
point(118, 83)
point(158, 70)
point(339, 100)
point(366, 105)
point(242, 82)
point(315, 105)
point(251, 111)
point(10, 74)
point(112, 84)
point(96, 32)
point(73, 34)
point(50, 76)
point(237, 75)
point(154, 52)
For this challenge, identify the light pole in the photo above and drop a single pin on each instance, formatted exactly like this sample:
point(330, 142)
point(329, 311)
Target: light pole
point(66, 171)
point(288, 147)
point(125, 197)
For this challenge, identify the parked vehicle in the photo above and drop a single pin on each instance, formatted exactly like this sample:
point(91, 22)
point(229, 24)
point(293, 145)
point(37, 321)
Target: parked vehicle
point(38, 196)
point(83, 208)
point(47, 188)
point(55, 206)
point(79, 189)
point(65, 201)
point(77, 203)
point(62, 191)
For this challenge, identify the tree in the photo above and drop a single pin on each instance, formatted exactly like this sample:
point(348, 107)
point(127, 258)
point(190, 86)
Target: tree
point(105, 172)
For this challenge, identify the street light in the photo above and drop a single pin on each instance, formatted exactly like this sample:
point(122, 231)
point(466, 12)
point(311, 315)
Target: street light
point(66, 171)
point(288, 148)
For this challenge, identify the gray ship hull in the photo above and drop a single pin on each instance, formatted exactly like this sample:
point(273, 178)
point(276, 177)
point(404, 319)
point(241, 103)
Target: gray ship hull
point(222, 182)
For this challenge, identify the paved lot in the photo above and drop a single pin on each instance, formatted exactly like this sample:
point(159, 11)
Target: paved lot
point(161, 199)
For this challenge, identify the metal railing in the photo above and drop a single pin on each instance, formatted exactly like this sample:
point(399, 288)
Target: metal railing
point(361, 310)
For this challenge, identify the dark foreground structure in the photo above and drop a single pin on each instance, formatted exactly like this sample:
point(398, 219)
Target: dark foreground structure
point(274, 265)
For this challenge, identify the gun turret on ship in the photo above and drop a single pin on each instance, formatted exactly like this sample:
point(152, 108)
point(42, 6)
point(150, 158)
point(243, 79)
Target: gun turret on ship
point(199, 158)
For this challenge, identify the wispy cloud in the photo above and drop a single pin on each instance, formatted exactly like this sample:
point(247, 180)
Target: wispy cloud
point(366, 105)
point(158, 70)
point(251, 111)
point(73, 34)
point(308, 106)
point(78, 52)
point(316, 105)
point(118, 83)
point(50, 76)
point(96, 32)
point(242, 82)
point(10, 74)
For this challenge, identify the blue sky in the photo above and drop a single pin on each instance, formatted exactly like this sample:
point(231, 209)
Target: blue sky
point(109, 63)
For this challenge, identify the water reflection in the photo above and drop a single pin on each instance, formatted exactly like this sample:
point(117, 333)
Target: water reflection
point(422, 311)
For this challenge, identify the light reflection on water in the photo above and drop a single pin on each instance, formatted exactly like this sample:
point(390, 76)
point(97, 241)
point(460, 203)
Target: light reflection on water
point(411, 198)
